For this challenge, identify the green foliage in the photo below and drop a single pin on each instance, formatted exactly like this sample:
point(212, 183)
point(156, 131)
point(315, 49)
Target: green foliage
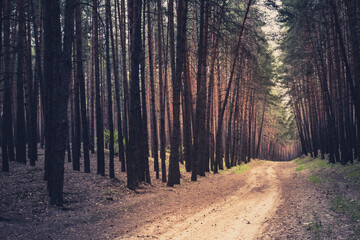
point(116, 142)
point(167, 149)
point(107, 136)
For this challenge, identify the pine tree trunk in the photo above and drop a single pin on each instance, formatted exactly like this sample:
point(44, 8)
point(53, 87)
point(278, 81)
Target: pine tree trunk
point(20, 118)
point(109, 87)
point(117, 91)
point(125, 76)
point(99, 115)
point(81, 80)
point(7, 143)
point(187, 113)
point(161, 94)
point(77, 136)
point(35, 91)
point(57, 87)
point(260, 130)
point(145, 171)
point(174, 171)
point(134, 146)
point(154, 131)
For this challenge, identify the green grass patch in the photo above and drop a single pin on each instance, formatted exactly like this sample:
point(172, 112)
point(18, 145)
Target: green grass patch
point(299, 169)
point(241, 168)
point(307, 163)
point(353, 174)
point(346, 206)
point(315, 179)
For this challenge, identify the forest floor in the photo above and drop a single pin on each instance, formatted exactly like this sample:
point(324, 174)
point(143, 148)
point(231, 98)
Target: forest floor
point(302, 199)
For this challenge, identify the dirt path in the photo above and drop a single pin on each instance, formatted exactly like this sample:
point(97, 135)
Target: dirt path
point(240, 215)
point(269, 201)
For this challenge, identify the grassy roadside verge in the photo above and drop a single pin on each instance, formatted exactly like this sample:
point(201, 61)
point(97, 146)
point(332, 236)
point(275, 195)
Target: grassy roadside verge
point(342, 183)
point(242, 168)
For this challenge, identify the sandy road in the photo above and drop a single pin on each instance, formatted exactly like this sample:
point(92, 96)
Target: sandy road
point(239, 216)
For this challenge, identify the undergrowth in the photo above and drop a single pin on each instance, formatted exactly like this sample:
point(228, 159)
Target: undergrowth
point(241, 168)
point(343, 200)
point(307, 163)
point(315, 179)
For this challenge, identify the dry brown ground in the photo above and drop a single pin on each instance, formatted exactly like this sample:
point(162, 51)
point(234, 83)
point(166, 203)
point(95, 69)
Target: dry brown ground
point(269, 201)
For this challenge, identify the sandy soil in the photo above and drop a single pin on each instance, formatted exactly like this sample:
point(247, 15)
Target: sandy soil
point(238, 216)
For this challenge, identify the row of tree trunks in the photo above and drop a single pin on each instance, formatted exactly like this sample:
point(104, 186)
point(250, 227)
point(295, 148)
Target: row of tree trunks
point(326, 94)
point(197, 50)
